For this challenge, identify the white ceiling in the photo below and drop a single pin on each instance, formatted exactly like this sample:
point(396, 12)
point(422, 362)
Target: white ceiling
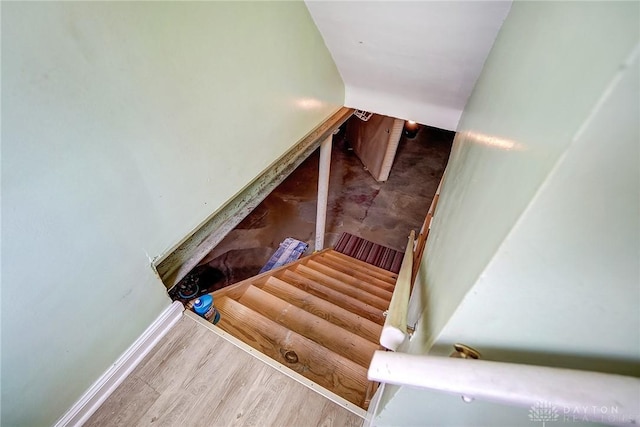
point(411, 60)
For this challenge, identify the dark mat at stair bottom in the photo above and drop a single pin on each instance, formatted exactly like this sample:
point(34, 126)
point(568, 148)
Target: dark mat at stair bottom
point(369, 252)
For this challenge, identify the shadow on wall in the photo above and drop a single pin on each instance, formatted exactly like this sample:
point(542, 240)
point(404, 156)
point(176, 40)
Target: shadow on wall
point(231, 267)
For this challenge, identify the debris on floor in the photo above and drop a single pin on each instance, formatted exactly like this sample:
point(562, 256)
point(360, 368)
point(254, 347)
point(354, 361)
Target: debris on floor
point(199, 281)
point(288, 251)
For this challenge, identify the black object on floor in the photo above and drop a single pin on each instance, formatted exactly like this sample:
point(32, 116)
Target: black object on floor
point(201, 280)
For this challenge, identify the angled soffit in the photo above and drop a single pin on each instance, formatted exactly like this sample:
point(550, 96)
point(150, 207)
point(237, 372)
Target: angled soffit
point(412, 60)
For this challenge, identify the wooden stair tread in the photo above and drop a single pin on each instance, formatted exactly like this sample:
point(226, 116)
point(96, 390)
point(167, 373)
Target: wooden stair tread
point(372, 285)
point(347, 264)
point(325, 309)
point(335, 297)
point(356, 271)
point(236, 290)
point(323, 332)
point(321, 316)
point(326, 368)
point(346, 289)
point(372, 267)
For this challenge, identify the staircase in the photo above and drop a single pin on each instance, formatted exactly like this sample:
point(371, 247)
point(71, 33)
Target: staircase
point(320, 316)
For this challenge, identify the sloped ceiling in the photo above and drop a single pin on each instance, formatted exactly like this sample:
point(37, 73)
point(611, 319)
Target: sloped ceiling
point(412, 60)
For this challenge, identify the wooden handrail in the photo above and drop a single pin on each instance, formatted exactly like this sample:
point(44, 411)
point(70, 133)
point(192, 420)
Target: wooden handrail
point(421, 241)
point(395, 325)
point(394, 330)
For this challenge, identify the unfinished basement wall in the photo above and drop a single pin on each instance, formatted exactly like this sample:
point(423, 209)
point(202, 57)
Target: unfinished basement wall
point(124, 126)
point(533, 253)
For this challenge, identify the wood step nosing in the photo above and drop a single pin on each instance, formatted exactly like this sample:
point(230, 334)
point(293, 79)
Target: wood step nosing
point(351, 280)
point(335, 338)
point(345, 289)
point(357, 274)
point(236, 289)
point(359, 261)
point(389, 277)
point(343, 372)
point(334, 296)
point(335, 314)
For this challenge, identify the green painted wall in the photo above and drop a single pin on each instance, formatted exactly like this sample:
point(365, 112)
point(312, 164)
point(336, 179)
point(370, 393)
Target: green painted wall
point(534, 252)
point(567, 276)
point(124, 126)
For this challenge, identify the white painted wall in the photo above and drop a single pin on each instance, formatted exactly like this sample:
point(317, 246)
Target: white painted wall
point(567, 276)
point(124, 126)
point(411, 60)
point(534, 252)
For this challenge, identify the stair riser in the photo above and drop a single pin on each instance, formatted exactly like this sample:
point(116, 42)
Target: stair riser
point(337, 285)
point(350, 279)
point(341, 300)
point(320, 316)
point(357, 269)
point(324, 309)
point(325, 333)
point(313, 361)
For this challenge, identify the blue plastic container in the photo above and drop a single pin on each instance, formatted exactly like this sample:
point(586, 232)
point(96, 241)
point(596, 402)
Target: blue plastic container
point(205, 308)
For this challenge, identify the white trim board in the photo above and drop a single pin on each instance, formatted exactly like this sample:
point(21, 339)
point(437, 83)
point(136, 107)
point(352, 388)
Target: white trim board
point(91, 400)
point(181, 259)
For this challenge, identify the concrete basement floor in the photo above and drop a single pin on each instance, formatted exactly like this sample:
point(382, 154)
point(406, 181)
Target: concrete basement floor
point(383, 213)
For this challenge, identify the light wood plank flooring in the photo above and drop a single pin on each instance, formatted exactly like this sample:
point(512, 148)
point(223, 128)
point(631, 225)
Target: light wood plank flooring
point(195, 378)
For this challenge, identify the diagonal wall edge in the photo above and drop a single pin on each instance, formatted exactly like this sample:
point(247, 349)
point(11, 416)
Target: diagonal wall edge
point(183, 257)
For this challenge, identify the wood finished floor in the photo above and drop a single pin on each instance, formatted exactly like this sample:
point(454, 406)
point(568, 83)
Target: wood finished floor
point(195, 378)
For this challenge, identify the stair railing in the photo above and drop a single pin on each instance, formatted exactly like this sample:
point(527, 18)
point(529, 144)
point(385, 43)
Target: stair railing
point(421, 240)
point(549, 393)
point(395, 329)
point(552, 392)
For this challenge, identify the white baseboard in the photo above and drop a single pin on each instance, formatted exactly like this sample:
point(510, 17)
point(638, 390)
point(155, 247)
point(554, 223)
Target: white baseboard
point(91, 400)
